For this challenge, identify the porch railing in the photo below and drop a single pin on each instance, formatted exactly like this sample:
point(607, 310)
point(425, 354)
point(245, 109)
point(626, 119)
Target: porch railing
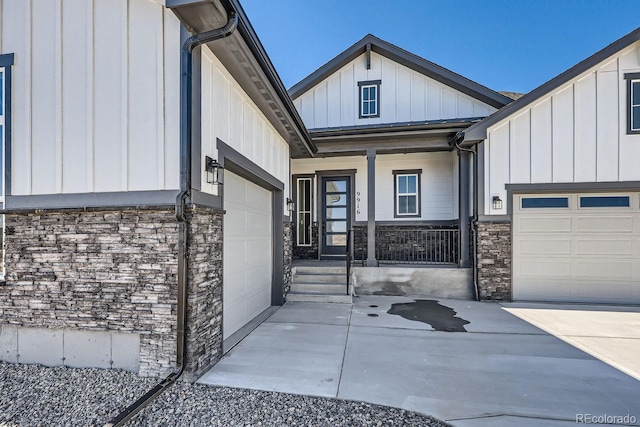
point(409, 246)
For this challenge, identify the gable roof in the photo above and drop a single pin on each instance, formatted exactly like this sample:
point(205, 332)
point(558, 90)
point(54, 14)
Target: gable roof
point(478, 132)
point(408, 59)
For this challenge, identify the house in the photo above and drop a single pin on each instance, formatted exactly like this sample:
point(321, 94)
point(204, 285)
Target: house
point(559, 185)
point(121, 242)
point(158, 180)
point(384, 122)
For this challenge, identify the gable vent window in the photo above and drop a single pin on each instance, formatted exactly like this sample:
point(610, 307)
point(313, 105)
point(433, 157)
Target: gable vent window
point(633, 102)
point(369, 98)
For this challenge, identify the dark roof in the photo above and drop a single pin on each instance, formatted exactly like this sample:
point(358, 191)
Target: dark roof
point(478, 132)
point(408, 59)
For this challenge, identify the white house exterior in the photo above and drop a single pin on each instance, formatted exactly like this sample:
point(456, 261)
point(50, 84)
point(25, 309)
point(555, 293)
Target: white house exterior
point(119, 251)
point(384, 122)
point(561, 165)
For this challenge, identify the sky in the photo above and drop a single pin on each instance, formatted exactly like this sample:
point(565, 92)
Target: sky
point(506, 45)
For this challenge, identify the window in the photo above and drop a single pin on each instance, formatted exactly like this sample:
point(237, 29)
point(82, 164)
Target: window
point(369, 98)
point(605, 202)
point(544, 202)
point(303, 196)
point(633, 102)
point(6, 61)
point(407, 193)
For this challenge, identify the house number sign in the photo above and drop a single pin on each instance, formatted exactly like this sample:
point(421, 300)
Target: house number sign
point(358, 203)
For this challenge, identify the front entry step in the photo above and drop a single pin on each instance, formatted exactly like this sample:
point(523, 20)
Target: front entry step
point(319, 284)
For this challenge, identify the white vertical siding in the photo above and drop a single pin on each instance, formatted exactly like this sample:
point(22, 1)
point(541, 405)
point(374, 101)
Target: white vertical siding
point(229, 114)
point(576, 133)
point(95, 95)
point(405, 96)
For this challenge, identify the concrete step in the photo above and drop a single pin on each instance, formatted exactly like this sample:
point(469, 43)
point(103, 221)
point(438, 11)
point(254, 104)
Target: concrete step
point(321, 288)
point(320, 278)
point(307, 269)
point(310, 297)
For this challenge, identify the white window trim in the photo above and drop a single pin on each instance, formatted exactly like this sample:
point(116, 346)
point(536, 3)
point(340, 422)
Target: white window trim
point(302, 211)
point(361, 87)
point(399, 194)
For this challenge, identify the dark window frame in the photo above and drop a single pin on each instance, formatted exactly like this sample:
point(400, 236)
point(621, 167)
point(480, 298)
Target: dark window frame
point(599, 202)
point(548, 199)
point(361, 86)
point(405, 172)
point(631, 78)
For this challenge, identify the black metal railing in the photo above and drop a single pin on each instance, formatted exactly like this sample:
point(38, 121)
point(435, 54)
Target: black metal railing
point(409, 246)
point(349, 256)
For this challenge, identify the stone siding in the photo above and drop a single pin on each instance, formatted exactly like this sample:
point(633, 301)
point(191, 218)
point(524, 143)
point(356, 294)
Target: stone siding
point(112, 270)
point(204, 303)
point(288, 255)
point(494, 261)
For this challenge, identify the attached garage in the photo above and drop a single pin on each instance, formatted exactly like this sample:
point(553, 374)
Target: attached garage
point(578, 247)
point(248, 252)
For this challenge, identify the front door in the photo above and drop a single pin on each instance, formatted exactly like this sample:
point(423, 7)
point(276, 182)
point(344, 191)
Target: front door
point(336, 209)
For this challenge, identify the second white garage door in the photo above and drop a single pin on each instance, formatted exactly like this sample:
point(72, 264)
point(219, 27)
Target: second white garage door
point(577, 247)
point(247, 256)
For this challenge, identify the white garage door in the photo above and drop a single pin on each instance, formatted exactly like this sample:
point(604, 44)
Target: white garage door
point(577, 247)
point(247, 256)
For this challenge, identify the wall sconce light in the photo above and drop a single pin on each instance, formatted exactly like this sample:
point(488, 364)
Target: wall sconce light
point(215, 171)
point(497, 203)
point(291, 206)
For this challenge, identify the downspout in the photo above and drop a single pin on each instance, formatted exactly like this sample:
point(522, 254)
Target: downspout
point(186, 68)
point(474, 221)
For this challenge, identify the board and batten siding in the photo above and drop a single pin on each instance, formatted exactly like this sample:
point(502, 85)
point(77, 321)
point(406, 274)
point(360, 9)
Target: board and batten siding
point(405, 96)
point(95, 95)
point(439, 182)
point(575, 134)
point(229, 114)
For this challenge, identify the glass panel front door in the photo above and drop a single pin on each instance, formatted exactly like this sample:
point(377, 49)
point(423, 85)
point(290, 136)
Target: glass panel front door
point(335, 214)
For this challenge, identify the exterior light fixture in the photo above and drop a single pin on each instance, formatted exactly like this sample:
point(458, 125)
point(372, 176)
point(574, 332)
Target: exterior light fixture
point(497, 203)
point(215, 171)
point(291, 206)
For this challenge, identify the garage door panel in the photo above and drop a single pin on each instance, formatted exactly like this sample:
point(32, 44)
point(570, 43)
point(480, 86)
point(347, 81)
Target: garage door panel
point(258, 224)
point(544, 247)
point(551, 224)
point(604, 224)
point(584, 255)
point(544, 267)
point(604, 247)
point(607, 269)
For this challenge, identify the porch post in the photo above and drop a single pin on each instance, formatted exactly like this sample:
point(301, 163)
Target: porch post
point(464, 196)
point(371, 208)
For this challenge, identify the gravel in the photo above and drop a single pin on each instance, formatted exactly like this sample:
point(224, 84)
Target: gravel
point(33, 395)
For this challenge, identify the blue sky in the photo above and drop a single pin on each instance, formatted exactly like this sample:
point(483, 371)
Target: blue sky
point(512, 45)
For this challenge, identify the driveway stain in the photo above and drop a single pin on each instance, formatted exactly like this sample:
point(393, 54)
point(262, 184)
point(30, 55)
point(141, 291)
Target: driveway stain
point(439, 317)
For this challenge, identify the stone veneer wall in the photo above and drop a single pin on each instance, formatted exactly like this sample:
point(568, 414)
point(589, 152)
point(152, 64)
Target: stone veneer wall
point(494, 261)
point(102, 270)
point(288, 255)
point(204, 303)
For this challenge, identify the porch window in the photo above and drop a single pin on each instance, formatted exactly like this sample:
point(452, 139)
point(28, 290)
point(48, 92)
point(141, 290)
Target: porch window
point(369, 98)
point(304, 197)
point(407, 193)
point(633, 102)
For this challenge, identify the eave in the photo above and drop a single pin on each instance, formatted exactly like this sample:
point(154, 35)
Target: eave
point(244, 57)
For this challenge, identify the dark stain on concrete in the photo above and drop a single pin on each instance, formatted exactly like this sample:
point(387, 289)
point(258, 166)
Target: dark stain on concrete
point(431, 312)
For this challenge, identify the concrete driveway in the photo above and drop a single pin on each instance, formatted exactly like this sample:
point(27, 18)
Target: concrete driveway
point(524, 364)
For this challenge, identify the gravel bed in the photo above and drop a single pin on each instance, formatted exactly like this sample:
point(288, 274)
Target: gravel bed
point(32, 395)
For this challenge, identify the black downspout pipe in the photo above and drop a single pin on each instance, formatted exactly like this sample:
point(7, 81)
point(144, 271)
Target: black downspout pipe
point(186, 68)
point(474, 222)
